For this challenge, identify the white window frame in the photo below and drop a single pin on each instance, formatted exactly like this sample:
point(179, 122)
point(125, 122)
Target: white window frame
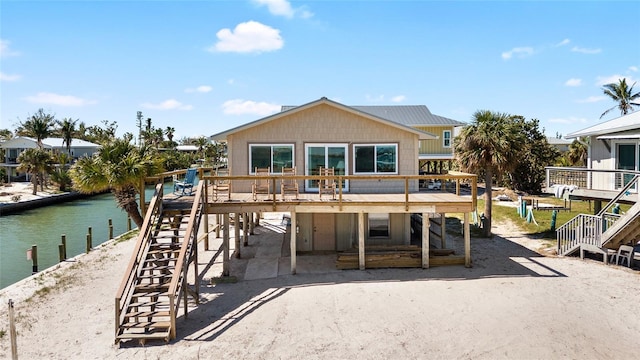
point(445, 138)
point(375, 161)
point(293, 156)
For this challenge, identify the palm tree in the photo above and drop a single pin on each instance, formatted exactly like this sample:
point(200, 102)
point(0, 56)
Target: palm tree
point(67, 131)
point(35, 162)
point(169, 132)
point(38, 126)
point(119, 166)
point(578, 151)
point(623, 95)
point(201, 143)
point(490, 145)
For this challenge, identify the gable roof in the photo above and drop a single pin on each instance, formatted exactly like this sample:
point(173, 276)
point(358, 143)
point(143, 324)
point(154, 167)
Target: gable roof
point(622, 123)
point(409, 115)
point(422, 135)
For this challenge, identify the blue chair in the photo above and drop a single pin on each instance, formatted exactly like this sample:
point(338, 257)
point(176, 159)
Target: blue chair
point(185, 187)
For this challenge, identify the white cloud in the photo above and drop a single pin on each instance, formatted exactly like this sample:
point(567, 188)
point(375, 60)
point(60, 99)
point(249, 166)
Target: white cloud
point(563, 42)
point(374, 98)
point(591, 99)
point(573, 82)
point(569, 120)
point(520, 52)
point(7, 77)
point(56, 99)
point(231, 81)
point(585, 50)
point(633, 68)
point(248, 37)
point(613, 79)
point(5, 51)
point(283, 8)
point(398, 98)
point(200, 89)
point(242, 107)
point(171, 104)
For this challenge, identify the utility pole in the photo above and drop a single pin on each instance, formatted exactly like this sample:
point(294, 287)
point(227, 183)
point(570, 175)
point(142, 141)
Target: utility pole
point(139, 123)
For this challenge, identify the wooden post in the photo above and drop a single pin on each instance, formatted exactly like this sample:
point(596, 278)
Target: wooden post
point(12, 332)
point(219, 223)
point(467, 241)
point(88, 247)
point(225, 246)
point(361, 258)
point(128, 223)
point(64, 245)
point(292, 240)
point(252, 224)
point(61, 252)
point(206, 215)
point(110, 229)
point(236, 233)
point(90, 234)
point(425, 240)
point(245, 229)
point(34, 259)
point(443, 230)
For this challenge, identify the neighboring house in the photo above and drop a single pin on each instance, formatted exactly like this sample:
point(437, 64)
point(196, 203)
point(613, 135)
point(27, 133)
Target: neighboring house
point(613, 159)
point(13, 147)
point(367, 142)
point(559, 143)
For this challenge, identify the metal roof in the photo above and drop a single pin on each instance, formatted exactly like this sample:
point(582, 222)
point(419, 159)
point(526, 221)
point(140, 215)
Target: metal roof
point(622, 123)
point(408, 115)
point(423, 135)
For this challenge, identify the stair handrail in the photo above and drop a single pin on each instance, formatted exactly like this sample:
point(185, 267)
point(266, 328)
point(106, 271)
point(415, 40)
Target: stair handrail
point(127, 285)
point(622, 192)
point(182, 263)
point(575, 231)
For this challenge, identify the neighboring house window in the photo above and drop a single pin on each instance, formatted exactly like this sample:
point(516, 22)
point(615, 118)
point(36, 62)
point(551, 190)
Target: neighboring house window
point(446, 138)
point(274, 156)
point(376, 159)
point(378, 225)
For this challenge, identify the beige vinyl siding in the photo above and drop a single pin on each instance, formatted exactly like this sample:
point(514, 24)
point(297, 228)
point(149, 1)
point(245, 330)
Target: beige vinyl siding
point(435, 146)
point(323, 124)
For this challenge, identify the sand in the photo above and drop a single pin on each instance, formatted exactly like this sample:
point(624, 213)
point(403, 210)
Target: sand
point(514, 303)
point(24, 190)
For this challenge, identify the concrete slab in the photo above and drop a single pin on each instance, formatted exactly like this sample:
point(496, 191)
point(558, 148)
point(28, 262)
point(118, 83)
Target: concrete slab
point(261, 268)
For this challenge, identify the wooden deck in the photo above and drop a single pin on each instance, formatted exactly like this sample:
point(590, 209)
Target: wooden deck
point(429, 202)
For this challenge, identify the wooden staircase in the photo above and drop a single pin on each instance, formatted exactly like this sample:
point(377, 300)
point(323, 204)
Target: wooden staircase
point(155, 282)
point(603, 231)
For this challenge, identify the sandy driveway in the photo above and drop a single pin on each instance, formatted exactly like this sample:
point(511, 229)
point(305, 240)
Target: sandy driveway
point(513, 304)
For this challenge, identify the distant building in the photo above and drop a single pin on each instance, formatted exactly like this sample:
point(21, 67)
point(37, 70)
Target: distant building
point(13, 148)
point(559, 143)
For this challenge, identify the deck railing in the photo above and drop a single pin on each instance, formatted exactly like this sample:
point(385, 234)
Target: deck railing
point(585, 178)
point(404, 184)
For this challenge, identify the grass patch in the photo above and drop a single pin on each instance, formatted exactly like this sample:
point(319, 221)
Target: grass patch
point(126, 236)
point(2, 333)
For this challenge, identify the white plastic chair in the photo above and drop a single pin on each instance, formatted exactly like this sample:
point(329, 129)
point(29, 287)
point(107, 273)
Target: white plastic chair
point(625, 252)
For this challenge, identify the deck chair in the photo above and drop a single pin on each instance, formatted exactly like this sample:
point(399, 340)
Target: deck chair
point(185, 187)
point(289, 185)
point(327, 184)
point(261, 186)
point(221, 188)
point(625, 252)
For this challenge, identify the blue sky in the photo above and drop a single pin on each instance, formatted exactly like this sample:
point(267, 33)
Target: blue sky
point(203, 67)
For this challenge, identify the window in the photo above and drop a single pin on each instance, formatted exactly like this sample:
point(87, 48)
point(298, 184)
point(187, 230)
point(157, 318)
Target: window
point(446, 138)
point(379, 225)
point(376, 159)
point(274, 156)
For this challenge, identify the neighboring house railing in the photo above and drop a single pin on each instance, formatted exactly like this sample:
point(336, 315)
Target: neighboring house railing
point(590, 179)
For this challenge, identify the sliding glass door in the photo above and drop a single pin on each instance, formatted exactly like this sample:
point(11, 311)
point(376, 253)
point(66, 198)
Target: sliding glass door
point(327, 156)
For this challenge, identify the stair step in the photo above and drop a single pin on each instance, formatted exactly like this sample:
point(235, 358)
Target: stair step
point(133, 314)
point(163, 267)
point(147, 260)
point(160, 335)
point(150, 294)
point(151, 287)
point(155, 276)
point(163, 251)
point(147, 304)
point(146, 324)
